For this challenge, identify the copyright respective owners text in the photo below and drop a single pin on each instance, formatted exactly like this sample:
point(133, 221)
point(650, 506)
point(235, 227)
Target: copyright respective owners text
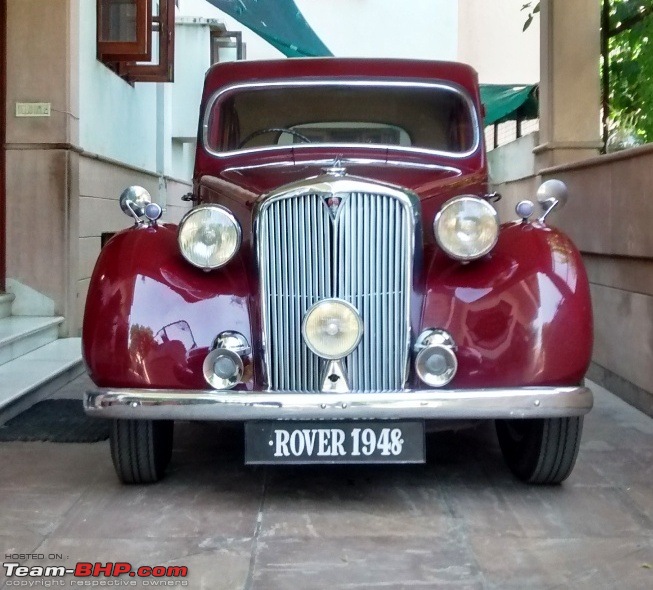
point(40, 570)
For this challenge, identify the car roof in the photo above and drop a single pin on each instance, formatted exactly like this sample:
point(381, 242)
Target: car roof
point(226, 74)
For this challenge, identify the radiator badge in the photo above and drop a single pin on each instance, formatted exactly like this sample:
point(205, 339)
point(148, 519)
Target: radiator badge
point(333, 203)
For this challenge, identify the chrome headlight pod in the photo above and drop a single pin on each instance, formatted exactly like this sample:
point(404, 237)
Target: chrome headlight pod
point(209, 236)
point(466, 227)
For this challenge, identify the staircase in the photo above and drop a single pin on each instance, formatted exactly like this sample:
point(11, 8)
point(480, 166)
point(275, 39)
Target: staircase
point(34, 361)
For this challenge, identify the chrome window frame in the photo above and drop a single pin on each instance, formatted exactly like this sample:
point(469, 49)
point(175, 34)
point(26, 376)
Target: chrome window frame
point(339, 82)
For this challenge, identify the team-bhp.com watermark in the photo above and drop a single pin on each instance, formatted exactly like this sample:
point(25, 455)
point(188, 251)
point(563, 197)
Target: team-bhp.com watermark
point(86, 574)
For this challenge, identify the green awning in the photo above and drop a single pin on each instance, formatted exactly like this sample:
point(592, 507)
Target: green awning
point(279, 22)
point(509, 102)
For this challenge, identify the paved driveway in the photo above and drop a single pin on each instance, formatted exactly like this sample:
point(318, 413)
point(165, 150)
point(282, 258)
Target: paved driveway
point(460, 521)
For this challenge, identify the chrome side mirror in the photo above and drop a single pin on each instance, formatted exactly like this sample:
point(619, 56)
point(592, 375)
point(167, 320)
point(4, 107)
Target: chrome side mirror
point(133, 201)
point(552, 194)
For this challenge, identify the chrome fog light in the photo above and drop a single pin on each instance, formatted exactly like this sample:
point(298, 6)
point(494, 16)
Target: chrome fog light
point(466, 227)
point(223, 367)
point(209, 236)
point(436, 363)
point(332, 328)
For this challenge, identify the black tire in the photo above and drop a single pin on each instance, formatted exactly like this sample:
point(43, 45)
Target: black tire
point(542, 450)
point(141, 449)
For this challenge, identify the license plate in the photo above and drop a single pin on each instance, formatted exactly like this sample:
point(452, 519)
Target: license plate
point(355, 441)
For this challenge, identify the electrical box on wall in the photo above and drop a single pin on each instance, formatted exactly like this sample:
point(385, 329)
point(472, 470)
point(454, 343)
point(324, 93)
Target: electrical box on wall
point(33, 109)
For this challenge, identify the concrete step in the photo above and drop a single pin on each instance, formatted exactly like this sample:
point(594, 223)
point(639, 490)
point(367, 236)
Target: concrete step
point(38, 374)
point(22, 334)
point(6, 299)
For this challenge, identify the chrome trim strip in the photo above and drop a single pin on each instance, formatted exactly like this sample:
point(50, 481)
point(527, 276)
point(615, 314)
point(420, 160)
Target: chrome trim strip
point(348, 162)
point(527, 402)
point(448, 86)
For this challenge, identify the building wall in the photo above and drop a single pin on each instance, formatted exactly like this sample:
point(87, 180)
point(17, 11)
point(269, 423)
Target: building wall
point(362, 28)
point(117, 120)
point(491, 39)
point(426, 29)
point(41, 166)
point(66, 171)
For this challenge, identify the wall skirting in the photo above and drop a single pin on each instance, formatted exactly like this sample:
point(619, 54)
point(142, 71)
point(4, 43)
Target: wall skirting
point(629, 392)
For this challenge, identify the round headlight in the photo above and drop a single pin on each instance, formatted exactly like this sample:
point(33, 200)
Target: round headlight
point(466, 227)
point(332, 328)
point(209, 236)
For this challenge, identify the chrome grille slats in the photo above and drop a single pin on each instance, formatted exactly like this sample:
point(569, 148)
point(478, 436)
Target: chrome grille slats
point(363, 256)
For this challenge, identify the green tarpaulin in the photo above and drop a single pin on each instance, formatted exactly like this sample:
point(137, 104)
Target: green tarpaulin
point(279, 22)
point(505, 102)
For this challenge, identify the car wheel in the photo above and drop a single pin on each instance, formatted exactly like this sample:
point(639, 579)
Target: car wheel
point(542, 450)
point(141, 449)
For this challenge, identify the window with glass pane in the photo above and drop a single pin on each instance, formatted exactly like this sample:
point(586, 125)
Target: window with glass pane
point(118, 20)
point(124, 30)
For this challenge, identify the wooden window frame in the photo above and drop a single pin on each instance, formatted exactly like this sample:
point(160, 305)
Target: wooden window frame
point(140, 49)
point(132, 69)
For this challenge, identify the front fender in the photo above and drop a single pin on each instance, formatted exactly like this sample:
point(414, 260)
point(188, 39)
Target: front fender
point(151, 317)
point(521, 316)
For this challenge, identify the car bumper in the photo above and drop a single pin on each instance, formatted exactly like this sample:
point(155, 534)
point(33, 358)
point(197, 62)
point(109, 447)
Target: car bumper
point(524, 402)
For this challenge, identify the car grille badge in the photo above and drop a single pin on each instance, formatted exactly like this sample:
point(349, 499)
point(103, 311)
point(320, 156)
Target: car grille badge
point(333, 203)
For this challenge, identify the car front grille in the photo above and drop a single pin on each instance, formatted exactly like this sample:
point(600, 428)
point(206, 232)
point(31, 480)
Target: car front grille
point(359, 248)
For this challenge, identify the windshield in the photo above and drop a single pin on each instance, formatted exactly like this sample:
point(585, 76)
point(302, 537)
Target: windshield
point(431, 117)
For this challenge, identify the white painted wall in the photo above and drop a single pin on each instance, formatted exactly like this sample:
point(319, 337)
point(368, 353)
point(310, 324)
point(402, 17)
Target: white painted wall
point(490, 38)
point(117, 120)
point(192, 59)
point(150, 126)
point(425, 29)
point(257, 48)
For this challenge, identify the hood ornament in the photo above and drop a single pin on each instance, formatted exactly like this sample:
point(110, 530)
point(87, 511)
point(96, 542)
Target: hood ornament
point(335, 169)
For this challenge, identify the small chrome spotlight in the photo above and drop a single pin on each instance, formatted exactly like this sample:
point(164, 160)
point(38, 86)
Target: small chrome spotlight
point(436, 363)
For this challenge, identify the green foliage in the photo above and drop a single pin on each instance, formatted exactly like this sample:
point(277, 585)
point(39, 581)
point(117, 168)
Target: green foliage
point(531, 9)
point(631, 65)
point(631, 68)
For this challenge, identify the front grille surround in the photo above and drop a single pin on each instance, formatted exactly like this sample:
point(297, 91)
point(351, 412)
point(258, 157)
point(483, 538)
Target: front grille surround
point(364, 254)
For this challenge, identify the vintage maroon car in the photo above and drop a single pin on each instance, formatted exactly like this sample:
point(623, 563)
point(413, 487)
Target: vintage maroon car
point(342, 283)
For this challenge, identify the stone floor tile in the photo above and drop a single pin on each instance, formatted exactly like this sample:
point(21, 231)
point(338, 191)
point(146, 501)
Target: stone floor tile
point(206, 492)
point(27, 542)
point(173, 509)
point(40, 466)
point(363, 562)
point(582, 563)
point(210, 565)
point(353, 501)
point(26, 513)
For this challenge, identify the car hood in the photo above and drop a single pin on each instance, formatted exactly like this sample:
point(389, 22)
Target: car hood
point(424, 179)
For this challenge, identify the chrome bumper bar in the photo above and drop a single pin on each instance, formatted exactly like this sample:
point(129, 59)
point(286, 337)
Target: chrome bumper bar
point(162, 404)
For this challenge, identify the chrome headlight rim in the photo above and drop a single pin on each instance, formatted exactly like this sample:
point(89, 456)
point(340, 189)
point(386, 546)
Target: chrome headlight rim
point(356, 315)
point(482, 252)
point(229, 215)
